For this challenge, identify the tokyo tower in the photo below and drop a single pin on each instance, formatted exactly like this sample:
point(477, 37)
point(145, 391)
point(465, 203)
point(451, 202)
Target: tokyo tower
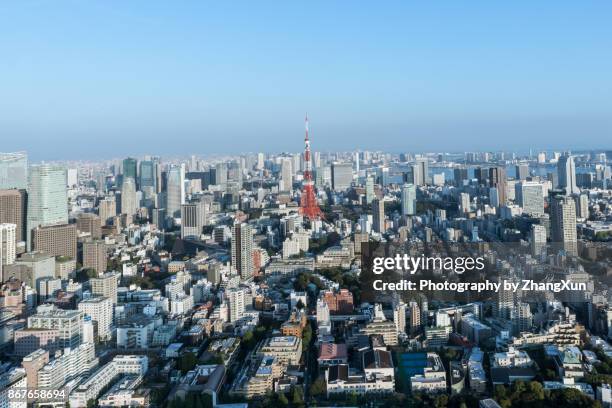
point(308, 205)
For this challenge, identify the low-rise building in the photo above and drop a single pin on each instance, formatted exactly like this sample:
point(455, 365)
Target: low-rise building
point(287, 349)
point(332, 354)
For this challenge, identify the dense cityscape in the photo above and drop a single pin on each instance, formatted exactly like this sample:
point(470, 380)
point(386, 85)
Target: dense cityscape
point(237, 281)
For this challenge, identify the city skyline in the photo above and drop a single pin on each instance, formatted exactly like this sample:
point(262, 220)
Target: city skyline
point(205, 78)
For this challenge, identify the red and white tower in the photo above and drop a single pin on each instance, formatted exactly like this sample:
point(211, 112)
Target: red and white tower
point(308, 205)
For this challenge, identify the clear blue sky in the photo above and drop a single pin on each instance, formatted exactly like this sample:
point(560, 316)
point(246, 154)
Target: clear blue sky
point(111, 78)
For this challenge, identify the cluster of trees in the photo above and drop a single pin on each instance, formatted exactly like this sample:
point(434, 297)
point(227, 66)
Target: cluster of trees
point(603, 371)
point(346, 280)
point(326, 241)
point(303, 279)
point(192, 400)
point(294, 399)
point(84, 274)
point(532, 394)
point(307, 336)
point(187, 362)
point(318, 387)
point(251, 338)
point(152, 280)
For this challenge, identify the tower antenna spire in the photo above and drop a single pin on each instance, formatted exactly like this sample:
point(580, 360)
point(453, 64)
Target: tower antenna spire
point(309, 206)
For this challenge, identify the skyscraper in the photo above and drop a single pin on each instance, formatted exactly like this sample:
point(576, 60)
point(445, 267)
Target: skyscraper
point(420, 171)
point(409, 199)
point(498, 179)
point(129, 200)
point(563, 224)
point(399, 317)
point(260, 161)
point(129, 168)
point(7, 246)
point(378, 216)
point(47, 197)
point(193, 219)
point(566, 170)
point(369, 189)
point(176, 190)
point(221, 174)
point(148, 175)
point(465, 205)
point(286, 178)
point(538, 239)
point(242, 250)
point(13, 170)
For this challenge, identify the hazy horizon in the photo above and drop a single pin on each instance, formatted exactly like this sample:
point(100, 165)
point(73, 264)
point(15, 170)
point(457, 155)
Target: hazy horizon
point(99, 80)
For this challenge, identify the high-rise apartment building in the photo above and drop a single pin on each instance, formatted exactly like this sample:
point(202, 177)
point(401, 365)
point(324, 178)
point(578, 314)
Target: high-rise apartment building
point(47, 198)
point(498, 179)
point(56, 240)
point(563, 224)
point(369, 190)
point(107, 209)
point(242, 250)
point(7, 246)
point(378, 216)
point(100, 309)
point(415, 317)
point(13, 211)
point(409, 199)
point(94, 256)
point(236, 304)
point(89, 223)
point(286, 175)
point(465, 205)
point(105, 285)
point(420, 171)
point(538, 239)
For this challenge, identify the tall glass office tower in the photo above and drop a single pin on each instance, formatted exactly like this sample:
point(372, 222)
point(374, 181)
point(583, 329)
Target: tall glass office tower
point(47, 197)
point(175, 194)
